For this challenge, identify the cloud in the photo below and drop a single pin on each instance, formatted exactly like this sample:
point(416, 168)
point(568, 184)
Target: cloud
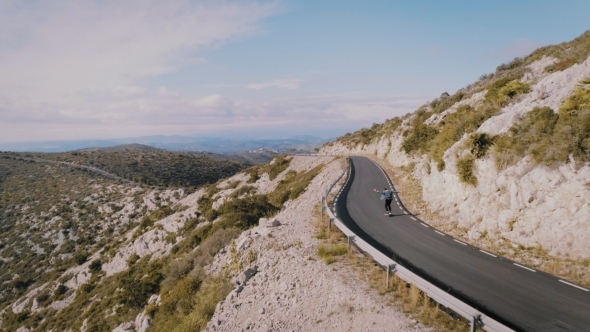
point(72, 59)
point(212, 101)
point(216, 115)
point(129, 91)
point(165, 92)
point(515, 48)
point(288, 84)
point(89, 69)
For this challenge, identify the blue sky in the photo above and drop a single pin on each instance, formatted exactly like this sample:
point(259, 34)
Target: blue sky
point(258, 69)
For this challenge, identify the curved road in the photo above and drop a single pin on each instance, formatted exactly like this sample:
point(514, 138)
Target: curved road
point(516, 295)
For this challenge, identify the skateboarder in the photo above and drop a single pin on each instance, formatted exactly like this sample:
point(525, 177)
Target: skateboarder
point(386, 195)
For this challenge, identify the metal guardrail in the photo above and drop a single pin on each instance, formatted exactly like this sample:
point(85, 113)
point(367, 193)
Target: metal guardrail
point(476, 318)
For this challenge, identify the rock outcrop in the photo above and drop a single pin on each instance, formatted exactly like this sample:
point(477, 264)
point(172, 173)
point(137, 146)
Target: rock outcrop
point(527, 203)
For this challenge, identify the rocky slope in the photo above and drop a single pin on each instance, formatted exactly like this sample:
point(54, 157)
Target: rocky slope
point(162, 266)
point(476, 182)
point(287, 288)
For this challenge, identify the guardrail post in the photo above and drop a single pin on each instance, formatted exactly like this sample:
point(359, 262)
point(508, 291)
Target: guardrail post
point(387, 278)
point(474, 322)
point(323, 207)
point(350, 238)
point(330, 224)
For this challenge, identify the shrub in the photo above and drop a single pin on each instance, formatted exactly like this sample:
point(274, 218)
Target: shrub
point(133, 259)
point(212, 290)
point(87, 288)
point(501, 91)
point(244, 190)
point(443, 103)
point(548, 137)
point(253, 172)
point(327, 253)
point(567, 53)
point(161, 213)
point(579, 100)
point(419, 138)
point(292, 186)
point(61, 289)
point(465, 120)
point(139, 282)
point(245, 212)
point(479, 144)
point(465, 169)
point(515, 63)
point(232, 184)
point(95, 266)
point(80, 258)
point(278, 166)
point(42, 298)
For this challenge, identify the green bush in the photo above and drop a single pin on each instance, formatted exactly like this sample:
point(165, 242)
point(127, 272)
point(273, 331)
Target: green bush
point(139, 282)
point(451, 128)
point(212, 290)
point(501, 91)
point(327, 253)
point(246, 212)
point(253, 172)
point(443, 103)
point(133, 259)
point(61, 289)
point(465, 170)
point(479, 144)
point(578, 101)
point(244, 190)
point(567, 53)
point(95, 266)
point(549, 137)
point(80, 258)
point(278, 165)
point(419, 138)
point(292, 186)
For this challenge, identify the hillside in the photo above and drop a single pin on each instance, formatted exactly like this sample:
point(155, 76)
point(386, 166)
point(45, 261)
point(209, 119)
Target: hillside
point(81, 251)
point(151, 166)
point(504, 162)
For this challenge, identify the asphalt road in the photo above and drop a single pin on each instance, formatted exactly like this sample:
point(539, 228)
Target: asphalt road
point(516, 295)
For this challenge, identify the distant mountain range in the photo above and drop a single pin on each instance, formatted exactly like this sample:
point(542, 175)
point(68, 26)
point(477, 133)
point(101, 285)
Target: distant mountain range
point(178, 143)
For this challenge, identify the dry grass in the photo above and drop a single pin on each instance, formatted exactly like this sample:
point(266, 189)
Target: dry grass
point(407, 297)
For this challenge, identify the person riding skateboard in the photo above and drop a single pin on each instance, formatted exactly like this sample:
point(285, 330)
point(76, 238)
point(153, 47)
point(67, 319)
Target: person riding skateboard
point(386, 195)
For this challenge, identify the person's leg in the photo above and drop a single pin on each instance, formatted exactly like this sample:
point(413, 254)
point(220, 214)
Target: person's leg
point(388, 205)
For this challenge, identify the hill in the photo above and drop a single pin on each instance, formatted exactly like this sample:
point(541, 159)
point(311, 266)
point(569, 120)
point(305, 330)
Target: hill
point(503, 163)
point(149, 165)
point(217, 145)
point(81, 251)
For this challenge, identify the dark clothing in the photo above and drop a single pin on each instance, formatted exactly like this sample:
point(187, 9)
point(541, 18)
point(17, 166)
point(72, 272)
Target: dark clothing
point(388, 205)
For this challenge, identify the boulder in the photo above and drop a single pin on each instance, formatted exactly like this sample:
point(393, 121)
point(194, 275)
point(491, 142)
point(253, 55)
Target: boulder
point(265, 222)
point(246, 275)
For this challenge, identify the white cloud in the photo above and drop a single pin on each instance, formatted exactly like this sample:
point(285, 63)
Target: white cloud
point(78, 69)
point(288, 84)
point(65, 59)
point(165, 92)
point(211, 101)
point(129, 91)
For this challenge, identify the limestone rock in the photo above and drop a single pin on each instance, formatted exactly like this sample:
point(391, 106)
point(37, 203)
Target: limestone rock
point(264, 222)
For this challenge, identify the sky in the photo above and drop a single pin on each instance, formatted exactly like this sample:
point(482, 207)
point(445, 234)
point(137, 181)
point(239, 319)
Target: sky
point(104, 69)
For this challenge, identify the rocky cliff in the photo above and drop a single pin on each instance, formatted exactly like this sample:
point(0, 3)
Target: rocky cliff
point(504, 158)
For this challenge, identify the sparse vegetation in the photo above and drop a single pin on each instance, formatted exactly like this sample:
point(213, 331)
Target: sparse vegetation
point(549, 137)
point(465, 170)
point(152, 167)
